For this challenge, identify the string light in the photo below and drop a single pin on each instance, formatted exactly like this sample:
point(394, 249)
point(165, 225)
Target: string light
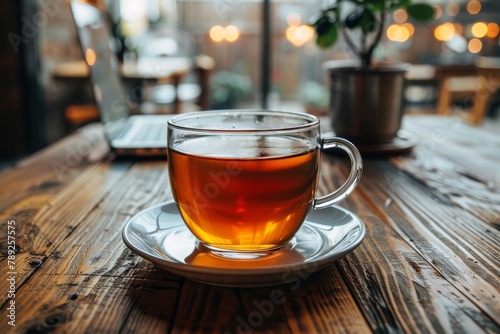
point(439, 11)
point(475, 45)
point(299, 35)
point(400, 16)
point(453, 9)
point(473, 7)
point(479, 29)
point(493, 30)
point(229, 33)
point(296, 33)
point(293, 19)
point(444, 32)
point(398, 33)
point(217, 33)
point(410, 27)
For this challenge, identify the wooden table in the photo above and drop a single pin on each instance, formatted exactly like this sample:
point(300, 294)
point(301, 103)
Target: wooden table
point(156, 69)
point(429, 261)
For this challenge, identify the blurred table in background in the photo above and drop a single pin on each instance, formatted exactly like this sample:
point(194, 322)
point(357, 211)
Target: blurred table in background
point(154, 81)
point(158, 68)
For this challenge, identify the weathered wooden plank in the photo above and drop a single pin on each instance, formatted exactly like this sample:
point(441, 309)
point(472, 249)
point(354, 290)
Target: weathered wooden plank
point(324, 304)
point(24, 202)
point(460, 247)
point(478, 140)
point(205, 309)
point(39, 236)
point(398, 289)
point(475, 150)
point(93, 261)
point(47, 170)
point(319, 303)
point(447, 159)
point(30, 190)
point(463, 189)
point(98, 304)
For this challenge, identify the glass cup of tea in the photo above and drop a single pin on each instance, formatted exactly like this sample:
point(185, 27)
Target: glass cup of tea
point(245, 180)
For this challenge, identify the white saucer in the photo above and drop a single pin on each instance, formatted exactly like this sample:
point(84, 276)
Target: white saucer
point(159, 235)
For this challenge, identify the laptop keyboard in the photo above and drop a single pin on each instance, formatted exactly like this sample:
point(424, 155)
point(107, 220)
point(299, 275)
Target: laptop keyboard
point(150, 132)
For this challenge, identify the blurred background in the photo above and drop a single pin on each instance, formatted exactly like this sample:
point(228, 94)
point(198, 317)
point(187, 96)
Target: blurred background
point(258, 54)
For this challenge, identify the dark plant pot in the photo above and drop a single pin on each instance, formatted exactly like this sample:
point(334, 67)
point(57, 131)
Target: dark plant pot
point(366, 104)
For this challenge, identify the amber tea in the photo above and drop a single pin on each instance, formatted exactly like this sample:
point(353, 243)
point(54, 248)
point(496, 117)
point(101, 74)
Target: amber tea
point(251, 196)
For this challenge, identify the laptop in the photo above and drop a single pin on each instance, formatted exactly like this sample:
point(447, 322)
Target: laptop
point(144, 135)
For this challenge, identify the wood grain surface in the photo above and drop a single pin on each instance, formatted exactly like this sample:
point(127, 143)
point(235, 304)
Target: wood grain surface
point(430, 261)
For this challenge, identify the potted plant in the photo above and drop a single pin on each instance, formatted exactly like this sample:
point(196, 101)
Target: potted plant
point(366, 98)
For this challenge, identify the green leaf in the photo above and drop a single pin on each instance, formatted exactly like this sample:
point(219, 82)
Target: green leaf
point(368, 22)
point(323, 25)
point(376, 5)
point(421, 12)
point(328, 37)
point(400, 3)
point(354, 19)
point(362, 18)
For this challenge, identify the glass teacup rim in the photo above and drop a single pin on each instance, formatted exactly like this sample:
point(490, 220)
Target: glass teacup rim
point(311, 121)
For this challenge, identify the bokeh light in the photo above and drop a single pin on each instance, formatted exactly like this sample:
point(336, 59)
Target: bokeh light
point(398, 33)
point(453, 9)
point(217, 33)
point(400, 16)
point(493, 30)
point(293, 19)
point(444, 32)
point(231, 33)
point(479, 29)
point(473, 7)
point(438, 10)
point(475, 45)
point(300, 35)
point(90, 56)
point(410, 27)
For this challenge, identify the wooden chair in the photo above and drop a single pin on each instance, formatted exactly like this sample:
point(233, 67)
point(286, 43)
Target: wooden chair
point(488, 82)
point(479, 87)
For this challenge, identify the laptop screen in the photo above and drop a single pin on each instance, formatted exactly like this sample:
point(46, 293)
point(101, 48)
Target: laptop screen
point(97, 43)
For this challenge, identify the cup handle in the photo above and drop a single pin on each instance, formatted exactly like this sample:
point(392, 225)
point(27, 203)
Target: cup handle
point(353, 178)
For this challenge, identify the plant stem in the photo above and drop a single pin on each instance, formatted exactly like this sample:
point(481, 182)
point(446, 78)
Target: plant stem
point(350, 43)
point(378, 37)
